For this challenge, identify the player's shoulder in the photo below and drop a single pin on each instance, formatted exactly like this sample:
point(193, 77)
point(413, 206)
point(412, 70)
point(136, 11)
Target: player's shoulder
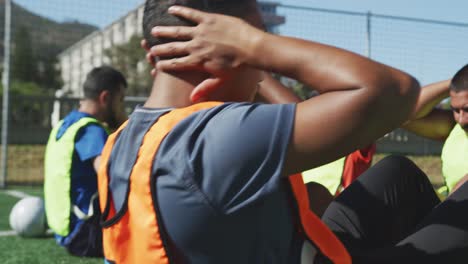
point(239, 110)
point(231, 121)
point(94, 127)
point(205, 123)
point(93, 130)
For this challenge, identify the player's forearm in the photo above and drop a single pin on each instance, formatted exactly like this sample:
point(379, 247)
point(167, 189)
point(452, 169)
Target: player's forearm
point(325, 68)
point(436, 125)
point(328, 69)
point(427, 121)
point(430, 96)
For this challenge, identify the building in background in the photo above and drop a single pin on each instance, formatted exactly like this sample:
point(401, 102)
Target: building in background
point(76, 61)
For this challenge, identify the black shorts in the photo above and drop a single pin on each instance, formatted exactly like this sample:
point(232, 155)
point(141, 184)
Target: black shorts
point(87, 241)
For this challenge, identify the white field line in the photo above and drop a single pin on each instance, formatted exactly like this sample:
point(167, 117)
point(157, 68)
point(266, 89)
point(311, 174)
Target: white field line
point(49, 232)
point(16, 194)
point(7, 233)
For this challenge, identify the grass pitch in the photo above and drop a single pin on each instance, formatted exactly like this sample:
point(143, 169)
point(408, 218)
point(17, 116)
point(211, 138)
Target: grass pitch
point(17, 250)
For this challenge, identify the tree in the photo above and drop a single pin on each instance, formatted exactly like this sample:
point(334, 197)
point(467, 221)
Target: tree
point(24, 66)
point(49, 76)
point(129, 58)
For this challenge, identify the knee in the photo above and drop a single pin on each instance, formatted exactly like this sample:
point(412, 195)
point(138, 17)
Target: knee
point(397, 161)
point(400, 166)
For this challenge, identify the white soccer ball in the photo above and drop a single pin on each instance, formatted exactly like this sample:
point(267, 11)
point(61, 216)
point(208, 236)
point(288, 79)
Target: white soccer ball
point(27, 218)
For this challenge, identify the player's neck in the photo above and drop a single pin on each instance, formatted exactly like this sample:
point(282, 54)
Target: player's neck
point(89, 107)
point(172, 90)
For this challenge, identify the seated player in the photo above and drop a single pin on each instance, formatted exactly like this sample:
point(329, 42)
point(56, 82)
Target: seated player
point(450, 126)
point(71, 162)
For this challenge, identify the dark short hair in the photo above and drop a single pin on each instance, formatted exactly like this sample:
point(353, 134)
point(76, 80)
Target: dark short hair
point(156, 14)
point(460, 80)
point(101, 79)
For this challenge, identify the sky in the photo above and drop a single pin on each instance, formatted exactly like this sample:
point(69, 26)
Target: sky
point(90, 11)
point(428, 51)
point(448, 10)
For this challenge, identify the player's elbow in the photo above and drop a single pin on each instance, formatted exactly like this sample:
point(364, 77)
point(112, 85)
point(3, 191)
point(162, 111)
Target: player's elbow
point(409, 89)
point(395, 96)
point(407, 93)
point(399, 86)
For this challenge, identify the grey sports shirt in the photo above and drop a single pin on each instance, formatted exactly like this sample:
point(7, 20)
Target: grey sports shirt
point(218, 184)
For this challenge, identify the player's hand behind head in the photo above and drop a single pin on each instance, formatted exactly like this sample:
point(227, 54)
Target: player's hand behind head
point(149, 58)
point(217, 43)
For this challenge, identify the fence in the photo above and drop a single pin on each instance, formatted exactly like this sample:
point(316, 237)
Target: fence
point(429, 50)
point(69, 39)
point(29, 128)
point(31, 118)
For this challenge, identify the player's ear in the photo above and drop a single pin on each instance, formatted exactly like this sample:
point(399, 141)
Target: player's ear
point(104, 97)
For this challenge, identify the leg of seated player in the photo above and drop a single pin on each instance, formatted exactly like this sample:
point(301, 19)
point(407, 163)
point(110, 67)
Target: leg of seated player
point(442, 237)
point(382, 206)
